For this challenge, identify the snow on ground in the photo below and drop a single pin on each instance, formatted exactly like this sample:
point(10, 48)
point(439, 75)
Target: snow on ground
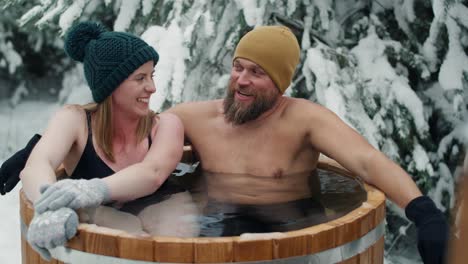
point(18, 125)
point(10, 243)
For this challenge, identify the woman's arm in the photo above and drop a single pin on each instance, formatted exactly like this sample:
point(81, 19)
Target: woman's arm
point(56, 142)
point(144, 178)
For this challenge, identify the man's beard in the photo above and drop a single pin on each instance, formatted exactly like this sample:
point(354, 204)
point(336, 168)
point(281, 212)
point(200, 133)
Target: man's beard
point(237, 114)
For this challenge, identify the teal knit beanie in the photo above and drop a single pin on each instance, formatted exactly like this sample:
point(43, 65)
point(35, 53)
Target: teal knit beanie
point(108, 57)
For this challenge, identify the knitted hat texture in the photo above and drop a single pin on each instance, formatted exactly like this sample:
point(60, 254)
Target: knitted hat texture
point(108, 57)
point(275, 49)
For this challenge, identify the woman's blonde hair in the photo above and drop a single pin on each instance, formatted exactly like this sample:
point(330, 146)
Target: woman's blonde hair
point(103, 126)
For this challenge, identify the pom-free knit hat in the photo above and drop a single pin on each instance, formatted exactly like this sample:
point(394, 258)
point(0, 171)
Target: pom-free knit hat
point(108, 57)
point(275, 49)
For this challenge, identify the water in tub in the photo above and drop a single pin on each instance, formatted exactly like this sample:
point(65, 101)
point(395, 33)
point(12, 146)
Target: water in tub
point(220, 204)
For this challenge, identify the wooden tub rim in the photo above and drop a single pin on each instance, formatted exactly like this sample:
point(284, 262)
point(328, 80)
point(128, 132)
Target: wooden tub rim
point(371, 216)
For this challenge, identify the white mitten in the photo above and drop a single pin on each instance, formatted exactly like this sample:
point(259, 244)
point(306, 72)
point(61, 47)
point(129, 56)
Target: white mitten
point(73, 194)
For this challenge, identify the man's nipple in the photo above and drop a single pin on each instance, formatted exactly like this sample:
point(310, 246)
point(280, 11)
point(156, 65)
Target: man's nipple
point(278, 174)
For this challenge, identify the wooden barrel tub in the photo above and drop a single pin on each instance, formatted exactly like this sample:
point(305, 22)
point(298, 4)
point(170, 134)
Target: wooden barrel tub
point(356, 237)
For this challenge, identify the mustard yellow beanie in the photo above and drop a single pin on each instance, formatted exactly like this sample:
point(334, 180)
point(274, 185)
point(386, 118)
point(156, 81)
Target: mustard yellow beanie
point(275, 49)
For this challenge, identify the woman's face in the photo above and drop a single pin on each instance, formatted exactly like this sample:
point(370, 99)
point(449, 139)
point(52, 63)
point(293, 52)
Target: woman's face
point(132, 96)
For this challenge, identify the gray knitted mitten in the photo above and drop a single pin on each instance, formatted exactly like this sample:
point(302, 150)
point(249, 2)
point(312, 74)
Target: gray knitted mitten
point(73, 194)
point(51, 229)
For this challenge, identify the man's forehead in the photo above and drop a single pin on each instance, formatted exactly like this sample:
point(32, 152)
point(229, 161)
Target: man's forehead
point(248, 63)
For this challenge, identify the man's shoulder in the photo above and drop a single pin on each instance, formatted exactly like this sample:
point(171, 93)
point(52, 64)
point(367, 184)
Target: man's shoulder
point(301, 106)
point(208, 107)
point(303, 111)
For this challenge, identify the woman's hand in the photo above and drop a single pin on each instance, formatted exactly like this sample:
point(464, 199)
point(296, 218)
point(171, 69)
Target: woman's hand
point(51, 229)
point(73, 194)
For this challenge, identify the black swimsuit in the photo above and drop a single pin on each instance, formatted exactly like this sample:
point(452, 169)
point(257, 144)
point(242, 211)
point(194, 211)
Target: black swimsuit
point(90, 164)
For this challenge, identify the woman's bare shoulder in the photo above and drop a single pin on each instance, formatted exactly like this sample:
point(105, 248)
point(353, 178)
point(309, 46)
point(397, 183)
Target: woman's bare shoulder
point(66, 125)
point(168, 120)
point(70, 113)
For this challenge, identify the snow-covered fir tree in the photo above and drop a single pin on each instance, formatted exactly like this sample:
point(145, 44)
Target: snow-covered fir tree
point(395, 70)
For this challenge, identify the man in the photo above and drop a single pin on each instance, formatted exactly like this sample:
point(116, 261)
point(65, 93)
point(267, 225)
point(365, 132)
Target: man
point(256, 131)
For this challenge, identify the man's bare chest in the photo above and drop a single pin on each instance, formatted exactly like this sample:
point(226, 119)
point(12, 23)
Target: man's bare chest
point(265, 152)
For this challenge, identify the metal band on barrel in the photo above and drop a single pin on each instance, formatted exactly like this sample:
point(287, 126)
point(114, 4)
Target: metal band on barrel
point(331, 255)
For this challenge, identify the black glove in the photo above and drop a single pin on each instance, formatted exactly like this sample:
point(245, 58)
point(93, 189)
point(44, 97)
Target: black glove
point(432, 229)
point(11, 168)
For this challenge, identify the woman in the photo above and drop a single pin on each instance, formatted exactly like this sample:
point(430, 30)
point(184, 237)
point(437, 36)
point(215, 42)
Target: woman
point(117, 137)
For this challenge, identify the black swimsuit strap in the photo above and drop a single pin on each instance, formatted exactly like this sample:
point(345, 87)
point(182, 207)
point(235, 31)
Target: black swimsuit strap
point(88, 119)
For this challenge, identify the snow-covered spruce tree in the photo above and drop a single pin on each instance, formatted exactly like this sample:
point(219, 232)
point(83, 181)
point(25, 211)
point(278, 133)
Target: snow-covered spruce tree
point(11, 63)
point(26, 55)
point(395, 70)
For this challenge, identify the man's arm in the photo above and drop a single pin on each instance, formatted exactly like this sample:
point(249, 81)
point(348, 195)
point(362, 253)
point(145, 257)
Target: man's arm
point(332, 137)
